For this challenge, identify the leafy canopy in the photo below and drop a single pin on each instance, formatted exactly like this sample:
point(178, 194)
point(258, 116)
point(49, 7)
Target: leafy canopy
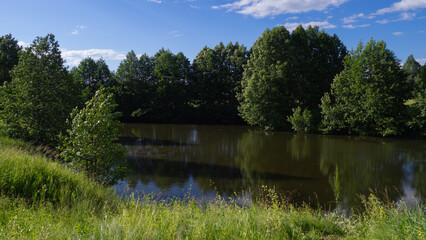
point(38, 100)
point(367, 98)
point(217, 81)
point(9, 51)
point(135, 85)
point(286, 71)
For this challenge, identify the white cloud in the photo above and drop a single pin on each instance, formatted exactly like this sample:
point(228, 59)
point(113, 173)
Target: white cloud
point(74, 57)
point(77, 29)
point(23, 44)
point(292, 18)
point(355, 17)
point(383, 21)
point(194, 6)
point(350, 26)
point(397, 33)
point(176, 33)
point(403, 5)
point(155, 1)
point(294, 25)
point(405, 16)
point(422, 61)
point(265, 8)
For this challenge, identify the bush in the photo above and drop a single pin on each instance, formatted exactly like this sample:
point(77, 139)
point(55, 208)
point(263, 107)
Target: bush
point(301, 122)
point(91, 144)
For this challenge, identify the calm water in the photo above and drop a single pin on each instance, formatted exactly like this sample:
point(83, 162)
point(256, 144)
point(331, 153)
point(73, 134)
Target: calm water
point(205, 161)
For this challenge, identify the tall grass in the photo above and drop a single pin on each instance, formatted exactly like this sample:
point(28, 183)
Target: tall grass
point(40, 199)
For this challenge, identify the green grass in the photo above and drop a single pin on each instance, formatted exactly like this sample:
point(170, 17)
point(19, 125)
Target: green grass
point(41, 199)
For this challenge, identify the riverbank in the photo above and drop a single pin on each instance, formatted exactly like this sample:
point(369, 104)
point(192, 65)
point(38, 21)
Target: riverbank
point(41, 199)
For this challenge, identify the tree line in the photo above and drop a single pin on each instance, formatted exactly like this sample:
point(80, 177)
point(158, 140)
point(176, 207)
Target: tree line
point(305, 80)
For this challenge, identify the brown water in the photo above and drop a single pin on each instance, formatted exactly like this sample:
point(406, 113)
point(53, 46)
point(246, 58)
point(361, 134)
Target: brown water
point(236, 161)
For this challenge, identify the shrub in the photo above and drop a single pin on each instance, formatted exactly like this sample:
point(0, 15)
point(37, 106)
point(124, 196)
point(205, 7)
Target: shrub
point(301, 122)
point(91, 143)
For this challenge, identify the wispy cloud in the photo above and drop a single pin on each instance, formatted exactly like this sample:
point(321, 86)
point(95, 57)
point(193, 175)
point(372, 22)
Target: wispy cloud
point(77, 29)
point(294, 25)
point(354, 18)
point(194, 6)
point(350, 26)
point(176, 33)
point(292, 18)
point(266, 8)
point(405, 16)
point(422, 61)
point(403, 5)
point(155, 1)
point(74, 57)
point(397, 33)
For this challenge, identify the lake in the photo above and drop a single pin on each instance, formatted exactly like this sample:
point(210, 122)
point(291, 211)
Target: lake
point(238, 161)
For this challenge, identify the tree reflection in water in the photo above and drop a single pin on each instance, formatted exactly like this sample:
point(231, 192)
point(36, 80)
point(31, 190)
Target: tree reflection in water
point(234, 161)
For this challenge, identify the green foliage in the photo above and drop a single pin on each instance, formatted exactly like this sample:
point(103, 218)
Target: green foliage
point(90, 76)
point(172, 75)
point(91, 143)
point(367, 98)
point(288, 70)
point(301, 122)
point(38, 100)
point(154, 88)
point(412, 68)
point(217, 81)
point(9, 58)
point(316, 58)
point(418, 109)
point(267, 94)
point(135, 85)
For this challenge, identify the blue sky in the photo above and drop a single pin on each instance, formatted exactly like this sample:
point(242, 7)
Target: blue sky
point(94, 28)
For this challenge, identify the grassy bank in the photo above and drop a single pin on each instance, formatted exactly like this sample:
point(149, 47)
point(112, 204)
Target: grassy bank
point(40, 199)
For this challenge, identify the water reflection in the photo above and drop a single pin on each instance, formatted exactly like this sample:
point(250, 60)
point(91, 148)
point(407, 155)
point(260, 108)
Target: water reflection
point(236, 161)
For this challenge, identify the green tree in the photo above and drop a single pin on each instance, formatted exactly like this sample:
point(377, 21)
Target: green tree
point(38, 100)
point(91, 143)
point(267, 96)
point(136, 84)
point(417, 123)
point(412, 68)
point(286, 71)
point(218, 73)
point(315, 60)
point(9, 50)
point(367, 98)
point(172, 76)
point(91, 75)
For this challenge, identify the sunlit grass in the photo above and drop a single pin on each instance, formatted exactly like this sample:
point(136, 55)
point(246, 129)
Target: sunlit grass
point(41, 199)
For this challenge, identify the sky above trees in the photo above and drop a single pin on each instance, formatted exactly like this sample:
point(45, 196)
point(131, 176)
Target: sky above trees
point(110, 29)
